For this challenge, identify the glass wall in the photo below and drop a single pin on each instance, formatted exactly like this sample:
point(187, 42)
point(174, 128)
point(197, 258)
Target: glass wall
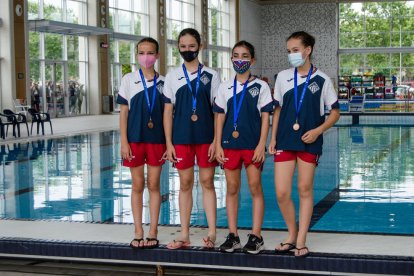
point(377, 38)
point(129, 17)
point(219, 37)
point(180, 15)
point(58, 63)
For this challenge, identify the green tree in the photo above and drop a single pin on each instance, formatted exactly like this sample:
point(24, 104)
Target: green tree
point(376, 24)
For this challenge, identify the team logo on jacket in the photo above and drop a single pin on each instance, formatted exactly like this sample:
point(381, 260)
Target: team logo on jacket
point(254, 91)
point(314, 87)
point(160, 87)
point(204, 79)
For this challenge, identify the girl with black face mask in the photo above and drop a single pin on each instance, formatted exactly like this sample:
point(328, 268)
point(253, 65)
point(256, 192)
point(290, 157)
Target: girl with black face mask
point(189, 92)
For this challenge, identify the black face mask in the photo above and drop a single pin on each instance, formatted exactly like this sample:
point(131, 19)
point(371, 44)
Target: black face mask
point(189, 55)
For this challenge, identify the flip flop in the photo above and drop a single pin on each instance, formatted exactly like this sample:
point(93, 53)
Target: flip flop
point(178, 244)
point(138, 241)
point(209, 243)
point(291, 246)
point(303, 255)
point(155, 245)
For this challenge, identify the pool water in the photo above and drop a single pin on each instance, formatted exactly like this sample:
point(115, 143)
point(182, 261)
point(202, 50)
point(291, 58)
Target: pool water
point(364, 183)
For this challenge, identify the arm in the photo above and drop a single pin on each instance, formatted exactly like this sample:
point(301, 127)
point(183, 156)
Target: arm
point(259, 152)
point(219, 134)
point(212, 148)
point(311, 135)
point(167, 122)
point(275, 122)
point(123, 124)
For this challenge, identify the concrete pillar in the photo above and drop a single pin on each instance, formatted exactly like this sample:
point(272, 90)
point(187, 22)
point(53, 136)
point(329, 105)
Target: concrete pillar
point(159, 17)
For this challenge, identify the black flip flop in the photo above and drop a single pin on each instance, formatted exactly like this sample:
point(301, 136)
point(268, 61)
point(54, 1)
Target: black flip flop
point(136, 247)
point(153, 245)
point(291, 246)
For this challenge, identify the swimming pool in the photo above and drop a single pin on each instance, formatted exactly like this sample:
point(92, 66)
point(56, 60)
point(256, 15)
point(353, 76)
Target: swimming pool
point(364, 183)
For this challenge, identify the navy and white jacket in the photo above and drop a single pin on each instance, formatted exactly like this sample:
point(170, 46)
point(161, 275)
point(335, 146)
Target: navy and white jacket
point(257, 99)
point(176, 92)
point(320, 93)
point(132, 93)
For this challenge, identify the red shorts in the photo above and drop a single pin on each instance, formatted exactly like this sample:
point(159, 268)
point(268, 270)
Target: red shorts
point(289, 155)
point(146, 153)
point(186, 155)
point(236, 157)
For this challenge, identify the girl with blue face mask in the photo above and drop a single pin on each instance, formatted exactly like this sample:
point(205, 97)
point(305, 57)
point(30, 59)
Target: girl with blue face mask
point(243, 105)
point(301, 94)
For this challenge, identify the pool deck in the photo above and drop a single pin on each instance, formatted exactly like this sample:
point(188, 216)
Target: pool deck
point(63, 240)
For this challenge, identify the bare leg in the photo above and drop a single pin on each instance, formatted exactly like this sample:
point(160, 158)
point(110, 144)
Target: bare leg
point(254, 177)
point(138, 183)
point(153, 185)
point(306, 173)
point(283, 181)
point(185, 200)
point(232, 198)
point(206, 176)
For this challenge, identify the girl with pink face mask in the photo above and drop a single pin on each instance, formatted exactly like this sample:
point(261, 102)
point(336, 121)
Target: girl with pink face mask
point(142, 137)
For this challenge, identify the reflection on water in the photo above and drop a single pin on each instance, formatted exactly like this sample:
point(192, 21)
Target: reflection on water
point(80, 178)
point(376, 164)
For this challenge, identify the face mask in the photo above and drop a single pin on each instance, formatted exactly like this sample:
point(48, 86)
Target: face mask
point(296, 59)
point(241, 66)
point(189, 55)
point(147, 61)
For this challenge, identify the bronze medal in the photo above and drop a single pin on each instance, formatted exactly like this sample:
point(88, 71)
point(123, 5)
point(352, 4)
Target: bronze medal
point(296, 126)
point(194, 117)
point(150, 124)
point(235, 134)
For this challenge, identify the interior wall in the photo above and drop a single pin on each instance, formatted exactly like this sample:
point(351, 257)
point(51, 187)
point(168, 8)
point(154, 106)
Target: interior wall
point(250, 28)
point(278, 21)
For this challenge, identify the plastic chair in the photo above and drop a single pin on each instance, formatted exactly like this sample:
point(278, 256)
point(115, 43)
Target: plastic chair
point(5, 121)
point(39, 118)
point(20, 106)
point(20, 119)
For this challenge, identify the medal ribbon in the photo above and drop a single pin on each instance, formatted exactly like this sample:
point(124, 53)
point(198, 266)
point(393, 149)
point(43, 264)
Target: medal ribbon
point(193, 95)
point(154, 91)
point(236, 107)
point(298, 105)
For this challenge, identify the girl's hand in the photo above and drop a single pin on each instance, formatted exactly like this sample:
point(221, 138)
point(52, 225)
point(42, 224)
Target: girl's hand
point(272, 147)
point(259, 154)
point(126, 152)
point(310, 136)
point(211, 152)
point(220, 155)
point(171, 156)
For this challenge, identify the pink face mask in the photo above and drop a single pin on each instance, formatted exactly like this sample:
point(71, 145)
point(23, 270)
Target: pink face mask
point(147, 61)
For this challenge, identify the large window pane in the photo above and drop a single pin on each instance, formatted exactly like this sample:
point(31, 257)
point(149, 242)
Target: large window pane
point(75, 12)
point(53, 46)
point(141, 24)
point(33, 9)
point(124, 22)
point(73, 47)
point(52, 10)
point(124, 52)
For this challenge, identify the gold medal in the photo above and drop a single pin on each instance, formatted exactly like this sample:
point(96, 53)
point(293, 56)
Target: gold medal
point(235, 134)
point(150, 124)
point(194, 117)
point(296, 126)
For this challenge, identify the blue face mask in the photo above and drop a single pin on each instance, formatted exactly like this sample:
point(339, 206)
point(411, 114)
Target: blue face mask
point(241, 66)
point(296, 59)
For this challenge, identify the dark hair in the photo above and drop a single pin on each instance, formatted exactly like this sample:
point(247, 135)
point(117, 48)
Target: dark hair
point(307, 39)
point(193, 32)
point(150, 40)
point(246, 45)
